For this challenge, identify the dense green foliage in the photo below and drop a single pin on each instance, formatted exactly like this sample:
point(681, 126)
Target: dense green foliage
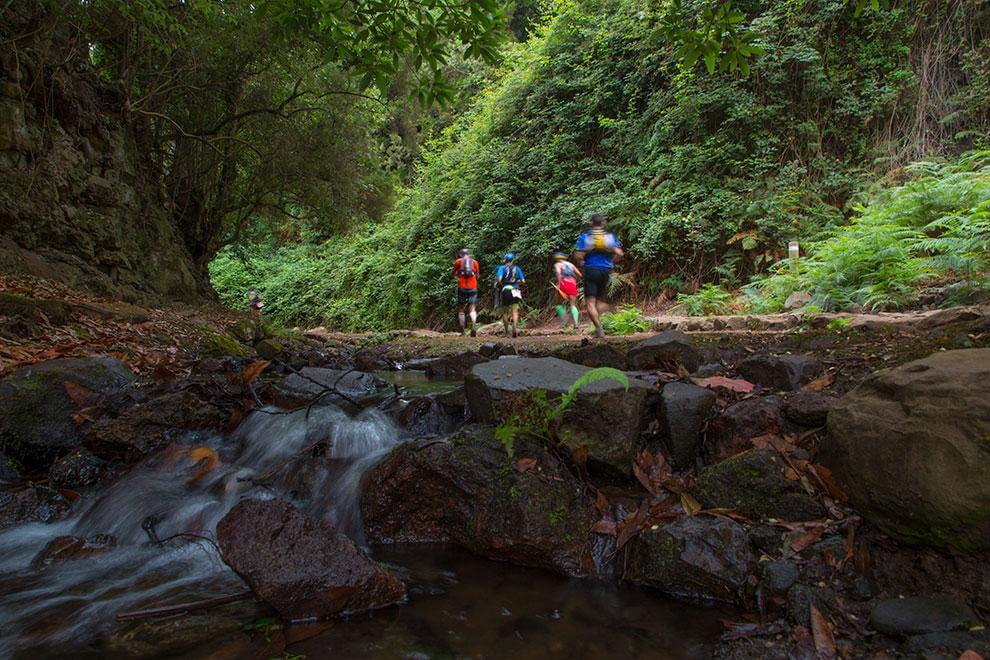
point(703, 176)
point(933, 228)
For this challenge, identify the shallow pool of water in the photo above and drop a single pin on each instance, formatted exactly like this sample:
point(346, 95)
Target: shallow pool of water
point(461, 606)
point(415, 382)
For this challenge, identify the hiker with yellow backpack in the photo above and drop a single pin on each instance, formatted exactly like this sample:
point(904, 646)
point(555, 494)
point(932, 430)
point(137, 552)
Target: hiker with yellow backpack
point(596, 250)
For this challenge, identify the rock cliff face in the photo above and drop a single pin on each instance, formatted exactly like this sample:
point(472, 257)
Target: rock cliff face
point(78, 200)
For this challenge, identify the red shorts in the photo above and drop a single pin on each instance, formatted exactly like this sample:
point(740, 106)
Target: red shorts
point(568, 285)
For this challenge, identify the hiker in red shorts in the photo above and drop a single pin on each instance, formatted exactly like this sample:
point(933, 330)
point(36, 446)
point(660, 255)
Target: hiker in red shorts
point(566, 276)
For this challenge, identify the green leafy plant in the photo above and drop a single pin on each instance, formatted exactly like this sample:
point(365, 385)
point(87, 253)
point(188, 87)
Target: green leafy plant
point(627, 321)
point(839, 324)
point(542, 417)
point(709, 299)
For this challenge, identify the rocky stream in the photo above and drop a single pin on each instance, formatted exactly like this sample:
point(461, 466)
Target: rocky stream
point(732, 499)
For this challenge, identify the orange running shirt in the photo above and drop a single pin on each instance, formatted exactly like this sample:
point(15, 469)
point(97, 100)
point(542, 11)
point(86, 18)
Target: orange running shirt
point(467, 273)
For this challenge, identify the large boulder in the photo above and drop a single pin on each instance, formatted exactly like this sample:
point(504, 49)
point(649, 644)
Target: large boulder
point(921, 614)
point(430, 414)
point(693, 557)
point(684, 411)
point(34, 504)
point(526, 509)
point(665, 351)
point(36, 426)
point(148, 426)
point(302, 566)
point(911, 448)
point(606, 417)
point(330, 386)
point(779, 372)
point(754, 484)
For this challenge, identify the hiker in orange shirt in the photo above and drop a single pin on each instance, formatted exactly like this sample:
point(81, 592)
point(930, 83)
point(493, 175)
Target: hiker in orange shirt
point(466, 271)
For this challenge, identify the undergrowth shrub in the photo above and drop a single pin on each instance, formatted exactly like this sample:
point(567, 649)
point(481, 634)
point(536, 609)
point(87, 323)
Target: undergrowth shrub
point(935, 227)
point(709, 299)
point(626, 321)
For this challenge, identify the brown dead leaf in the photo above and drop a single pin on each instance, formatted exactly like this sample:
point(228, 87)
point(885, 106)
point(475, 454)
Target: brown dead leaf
point(580, 456)
point(79, 394)
point(820, 383)
point(807, 538)
point(824, 477)
point(606, 527)
point(601, 502)
point(970, 654)
point(732, 384)
point(68, 494)
point(524, 465)
point(205, 458)
point(821, 633)
point(631, 525)
point(253, 370)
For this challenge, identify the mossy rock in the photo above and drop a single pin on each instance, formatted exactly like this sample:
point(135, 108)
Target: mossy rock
point(58, 312)
point(35, 422)
point(216, 344)
point(467, 490)
point(269, 349)
point(754, 484)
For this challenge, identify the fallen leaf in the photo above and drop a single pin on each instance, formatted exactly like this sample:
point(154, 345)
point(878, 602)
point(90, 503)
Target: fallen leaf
point(253, 370)
point(821, 633)
point(580, 456)
point(68, 494)
point(205, 459)
point(827, 481)
point(732, 384)
point(742, 630)
point(525, 464)
point(820, 383)
point(807, 538)
point(969, 654)
point(691, 505)
point(630, 526)
point(606, 527)
point(77, 392)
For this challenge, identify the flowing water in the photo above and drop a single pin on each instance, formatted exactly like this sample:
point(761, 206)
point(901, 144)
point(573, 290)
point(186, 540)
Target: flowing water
point(459, 606)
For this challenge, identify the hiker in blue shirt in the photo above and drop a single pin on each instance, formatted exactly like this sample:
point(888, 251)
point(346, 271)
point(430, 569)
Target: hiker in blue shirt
point(509, 279)
point(596, 250)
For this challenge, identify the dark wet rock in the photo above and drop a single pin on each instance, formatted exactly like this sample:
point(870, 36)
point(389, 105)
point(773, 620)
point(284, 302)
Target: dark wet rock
point(467, 490)
point(732, 431)
point(710, 369)
point(79, 469)
point(910, 448)
point(606, 417)
point(371, 359)
point(779, 576)
point(754, 484)
point(766, 538)
point(35, 504)
point(9, 473)
point(269, 349)
point(801, 597)
point(495, 350)
point(148, 426)
point(664, 351)
point(808, 408)
point(424, 415)
point(302, 566)
point(955, 643)
point(684, 411)
point(833, 546)
point(693, 557)
point(35, 422)
point(779, 372)
point(57, 312)
point(335, 386)
point(68, 548)
point(453, 367)
point(210, 366)
point(920, 614)
point(596, 354)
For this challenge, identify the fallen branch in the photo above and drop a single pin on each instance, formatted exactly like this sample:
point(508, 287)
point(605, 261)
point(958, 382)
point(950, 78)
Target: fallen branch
point(183, 608)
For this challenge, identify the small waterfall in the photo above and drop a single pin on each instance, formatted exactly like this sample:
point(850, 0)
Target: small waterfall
point(314, 458)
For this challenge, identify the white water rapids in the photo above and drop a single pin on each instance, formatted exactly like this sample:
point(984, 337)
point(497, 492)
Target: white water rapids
point(71, 604)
